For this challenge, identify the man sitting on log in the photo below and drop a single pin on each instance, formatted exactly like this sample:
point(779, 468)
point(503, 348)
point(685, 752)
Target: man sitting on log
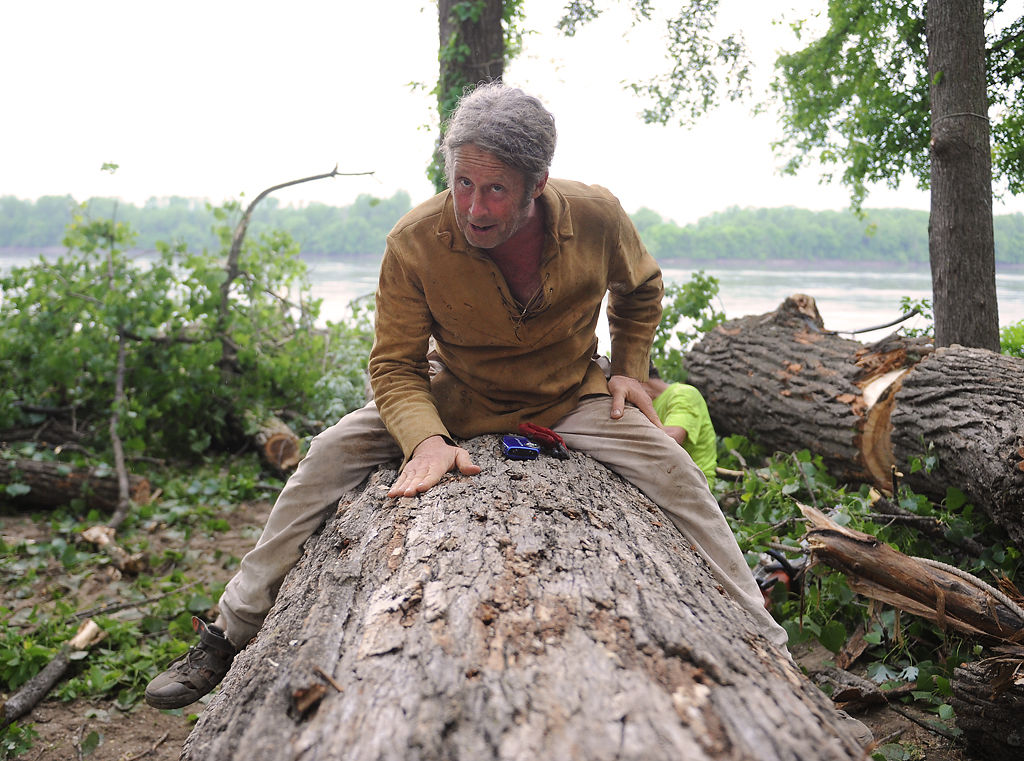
point(506, 270)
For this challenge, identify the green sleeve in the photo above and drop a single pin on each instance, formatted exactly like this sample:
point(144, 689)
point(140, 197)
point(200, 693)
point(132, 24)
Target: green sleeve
point(682, 405)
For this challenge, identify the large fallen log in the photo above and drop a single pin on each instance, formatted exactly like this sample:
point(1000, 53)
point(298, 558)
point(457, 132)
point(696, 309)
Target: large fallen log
point(785, 382)
point(55, 483)
point(539, 610)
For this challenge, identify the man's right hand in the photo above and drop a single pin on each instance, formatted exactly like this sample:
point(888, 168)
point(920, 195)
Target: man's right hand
point(432, 458)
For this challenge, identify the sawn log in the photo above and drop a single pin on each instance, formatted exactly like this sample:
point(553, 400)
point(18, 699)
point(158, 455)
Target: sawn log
point(277, 444)
point(538, 610)
point(55, 483)
point(952, 417)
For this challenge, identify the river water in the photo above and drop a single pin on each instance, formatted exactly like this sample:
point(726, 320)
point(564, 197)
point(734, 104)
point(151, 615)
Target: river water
point(849, 299)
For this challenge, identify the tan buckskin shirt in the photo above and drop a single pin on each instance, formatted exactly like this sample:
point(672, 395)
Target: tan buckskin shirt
point(506, 365)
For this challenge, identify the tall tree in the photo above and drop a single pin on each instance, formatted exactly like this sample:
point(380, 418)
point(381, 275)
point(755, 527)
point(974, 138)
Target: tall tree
point(477, 38)
point(884, 93)
point(960, 239)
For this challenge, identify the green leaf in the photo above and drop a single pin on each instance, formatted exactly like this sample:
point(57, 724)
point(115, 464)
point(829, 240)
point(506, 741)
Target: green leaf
point(955, 499)
point(90, 743)
point(198, 603)
point(833, 635)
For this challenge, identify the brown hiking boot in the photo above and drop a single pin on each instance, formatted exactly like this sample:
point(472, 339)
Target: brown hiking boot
point(193, 674)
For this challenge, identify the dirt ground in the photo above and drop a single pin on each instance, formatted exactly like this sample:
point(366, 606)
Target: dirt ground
point(143, 733)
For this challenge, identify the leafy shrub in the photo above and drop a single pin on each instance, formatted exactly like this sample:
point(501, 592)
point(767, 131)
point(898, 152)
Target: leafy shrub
point(687, 313)
point(1011, 339)
point(204, 359)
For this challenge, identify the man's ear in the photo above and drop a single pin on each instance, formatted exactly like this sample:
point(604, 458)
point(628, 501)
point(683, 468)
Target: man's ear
point(541, 184)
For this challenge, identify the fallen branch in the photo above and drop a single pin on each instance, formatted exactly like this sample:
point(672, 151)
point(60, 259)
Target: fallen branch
point(124, 502)
point(850, 689)
point(151, 749)
point(943, 594)
point(103, 537)
point(36, 688)
point(116, 606)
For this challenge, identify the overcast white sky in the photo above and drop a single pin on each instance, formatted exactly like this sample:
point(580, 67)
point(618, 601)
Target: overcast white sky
point(213, 98)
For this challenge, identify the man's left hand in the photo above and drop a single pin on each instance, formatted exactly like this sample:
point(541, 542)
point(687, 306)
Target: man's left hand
point(625, 389)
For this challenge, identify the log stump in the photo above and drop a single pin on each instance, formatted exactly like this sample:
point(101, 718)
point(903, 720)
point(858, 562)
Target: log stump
point(278, 445)
point(785, 382)
point(539, 610)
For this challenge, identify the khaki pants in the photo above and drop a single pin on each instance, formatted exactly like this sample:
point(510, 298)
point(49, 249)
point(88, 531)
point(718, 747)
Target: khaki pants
point(341, 457)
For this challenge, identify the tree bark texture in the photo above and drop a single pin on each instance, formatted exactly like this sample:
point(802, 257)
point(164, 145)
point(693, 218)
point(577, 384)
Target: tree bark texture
point(988, 697)
point(472, 43)
point(539, 610)
point(780, 379)
point(55, 483)
point(960, 238)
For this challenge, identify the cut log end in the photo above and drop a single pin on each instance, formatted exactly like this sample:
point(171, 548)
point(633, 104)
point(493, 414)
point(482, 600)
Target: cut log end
point(278, 445)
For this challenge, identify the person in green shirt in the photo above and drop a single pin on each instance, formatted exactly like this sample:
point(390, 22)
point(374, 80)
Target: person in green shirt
point(684, 416)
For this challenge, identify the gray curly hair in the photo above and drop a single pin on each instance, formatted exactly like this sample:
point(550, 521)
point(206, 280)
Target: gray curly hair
point(507, 123)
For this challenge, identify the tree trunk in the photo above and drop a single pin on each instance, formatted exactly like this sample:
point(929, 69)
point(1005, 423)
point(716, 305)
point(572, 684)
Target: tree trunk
point(539, 610)
point(56, 483)
point(960, 239)
point(472, 42)
point(784, 382)
point(471, 50)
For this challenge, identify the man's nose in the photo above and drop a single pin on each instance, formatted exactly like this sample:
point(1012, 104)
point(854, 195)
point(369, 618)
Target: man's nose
point(476, 204)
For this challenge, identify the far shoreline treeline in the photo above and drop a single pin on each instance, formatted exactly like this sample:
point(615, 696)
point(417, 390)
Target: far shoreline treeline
point(896, 237)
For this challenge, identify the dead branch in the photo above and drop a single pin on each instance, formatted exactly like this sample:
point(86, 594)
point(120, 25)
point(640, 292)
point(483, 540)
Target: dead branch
point(36, 688)
point(103, 537)
point(237, 238)
point(943, 594)
point(124, 502)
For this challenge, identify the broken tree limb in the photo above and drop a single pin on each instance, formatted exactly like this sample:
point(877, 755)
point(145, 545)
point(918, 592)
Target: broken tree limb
point(103, 538)
point(232, 270)
point(788, 384)
point(277, 444)
point(56, 483)
point(36, 688)
point(943, 594)
point(538, 610)
point(124, 500)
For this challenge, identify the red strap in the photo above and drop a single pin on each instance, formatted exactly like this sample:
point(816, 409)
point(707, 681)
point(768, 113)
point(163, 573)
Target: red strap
point(545, 435)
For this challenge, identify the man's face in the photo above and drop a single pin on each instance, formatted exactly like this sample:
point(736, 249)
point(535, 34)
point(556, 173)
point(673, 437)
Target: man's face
point(491, 202)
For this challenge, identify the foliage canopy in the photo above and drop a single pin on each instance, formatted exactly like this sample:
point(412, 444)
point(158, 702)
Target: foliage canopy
point(857, 96)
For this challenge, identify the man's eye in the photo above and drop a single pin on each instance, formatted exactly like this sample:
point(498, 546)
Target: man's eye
point(497, 188)
point(464, 182)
